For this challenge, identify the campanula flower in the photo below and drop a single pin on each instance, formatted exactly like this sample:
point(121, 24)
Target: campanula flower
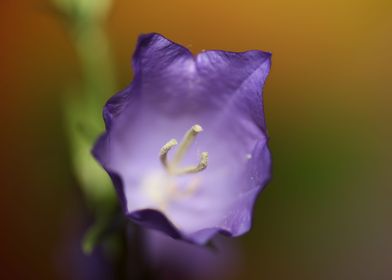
point(186, 142)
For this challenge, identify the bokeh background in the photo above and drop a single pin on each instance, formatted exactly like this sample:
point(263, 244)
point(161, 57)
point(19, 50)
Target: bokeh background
point(327, 212)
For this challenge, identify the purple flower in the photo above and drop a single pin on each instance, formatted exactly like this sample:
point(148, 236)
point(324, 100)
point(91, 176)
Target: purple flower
point(191, 188)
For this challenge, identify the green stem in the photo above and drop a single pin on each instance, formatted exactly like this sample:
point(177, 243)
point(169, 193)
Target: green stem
point(98, 71)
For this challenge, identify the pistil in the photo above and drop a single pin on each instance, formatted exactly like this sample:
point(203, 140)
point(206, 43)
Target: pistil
point(173, 167)
point(164, 150)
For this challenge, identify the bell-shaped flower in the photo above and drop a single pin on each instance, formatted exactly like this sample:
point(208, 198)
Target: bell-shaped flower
point(186, 143)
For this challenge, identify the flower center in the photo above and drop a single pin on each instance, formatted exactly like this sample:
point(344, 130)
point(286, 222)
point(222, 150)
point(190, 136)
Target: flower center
point(173, 187)
point(173, 167)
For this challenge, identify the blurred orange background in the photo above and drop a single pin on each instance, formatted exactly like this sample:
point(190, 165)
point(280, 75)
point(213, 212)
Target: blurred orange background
point(327, 212)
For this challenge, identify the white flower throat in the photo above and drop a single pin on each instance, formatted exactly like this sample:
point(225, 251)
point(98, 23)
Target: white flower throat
point(163, 188)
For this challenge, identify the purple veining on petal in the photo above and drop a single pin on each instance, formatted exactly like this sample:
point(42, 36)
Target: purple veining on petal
point(173, 90)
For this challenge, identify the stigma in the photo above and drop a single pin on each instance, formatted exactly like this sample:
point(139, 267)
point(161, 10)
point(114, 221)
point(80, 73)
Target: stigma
point(173, 167)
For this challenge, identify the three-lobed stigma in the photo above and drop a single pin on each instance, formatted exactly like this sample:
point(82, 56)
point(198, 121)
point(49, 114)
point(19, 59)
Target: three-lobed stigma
point(173, 167)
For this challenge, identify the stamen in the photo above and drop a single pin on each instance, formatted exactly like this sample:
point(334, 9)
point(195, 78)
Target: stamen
point(172, 167)
point(164, 150)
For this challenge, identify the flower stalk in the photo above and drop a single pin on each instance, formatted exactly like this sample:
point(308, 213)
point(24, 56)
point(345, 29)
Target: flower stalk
point(85, 24)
